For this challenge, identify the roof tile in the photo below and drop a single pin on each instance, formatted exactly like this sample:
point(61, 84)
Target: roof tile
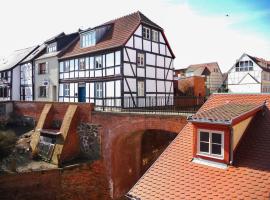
point(174, 176)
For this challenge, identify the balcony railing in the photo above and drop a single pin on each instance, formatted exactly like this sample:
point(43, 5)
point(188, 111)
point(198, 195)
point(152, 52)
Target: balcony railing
point(161, 104)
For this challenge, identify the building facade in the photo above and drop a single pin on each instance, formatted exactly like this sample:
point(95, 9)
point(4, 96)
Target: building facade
point(123, 63)
point(27, 75)
point(249, 75)
point(46, 70)
point(10, 74)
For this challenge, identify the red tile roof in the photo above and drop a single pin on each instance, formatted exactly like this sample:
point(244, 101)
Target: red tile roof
point(174, 176)
point(262, 63)
point(225, 114)
point(122, 30)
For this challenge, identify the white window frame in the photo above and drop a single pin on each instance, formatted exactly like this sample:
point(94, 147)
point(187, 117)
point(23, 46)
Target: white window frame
point(98, 65)
point(51, 47)
point(46, 91)
point(98, 90)
point(82, 64)
point(221, 157)
point(146, 32)
point(140, 59)
point(88, 39)
point(66, 90)
point(154, 35)
point(140, 89)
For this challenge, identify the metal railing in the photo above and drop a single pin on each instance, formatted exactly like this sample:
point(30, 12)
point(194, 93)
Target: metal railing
point(153, 104)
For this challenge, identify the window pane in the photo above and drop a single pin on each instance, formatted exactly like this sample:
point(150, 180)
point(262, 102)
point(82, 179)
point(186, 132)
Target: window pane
point(204, 147)
point(216, 149)
point(204, 136)
point(216, 138)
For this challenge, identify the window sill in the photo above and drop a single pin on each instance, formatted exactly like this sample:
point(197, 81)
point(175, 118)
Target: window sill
point(209, 163)
point(211, 156)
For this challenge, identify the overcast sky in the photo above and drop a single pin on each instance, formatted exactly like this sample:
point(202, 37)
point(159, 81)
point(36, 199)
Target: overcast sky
point(198, 30)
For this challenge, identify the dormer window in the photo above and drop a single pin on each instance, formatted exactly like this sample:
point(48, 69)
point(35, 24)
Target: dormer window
point(210, 143)
point(146, 33)
point(52, 48)
point(88, 39)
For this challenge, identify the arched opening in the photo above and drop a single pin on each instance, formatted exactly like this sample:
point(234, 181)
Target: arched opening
point(133, 154)
point(153, 143)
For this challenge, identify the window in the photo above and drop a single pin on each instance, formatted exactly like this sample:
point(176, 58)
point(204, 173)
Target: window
point(244, 66)
point(154, 36)
point(3, 92)
point(98, 63)
point(51, 48)
point(140, 88)
point(88, 39)
point(66, 89)
point(210, 143)
point(140, 59)
point(42, 91)
point(66, 66)
point(42, 68)
point(98, 90)
point(146, 33)
point(110, 60)
point(82, 64)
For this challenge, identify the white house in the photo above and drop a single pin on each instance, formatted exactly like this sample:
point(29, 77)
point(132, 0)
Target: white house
point(249, 75)
point(126, 62)
point(10, 74)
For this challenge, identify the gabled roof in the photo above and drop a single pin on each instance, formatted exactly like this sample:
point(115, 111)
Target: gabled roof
point(262, 63)
point(225, 114)
point(198, 69)
point(174, 176)
point(121, 31)
point(34, 54)
point(15, 58)
point(249, 75)
point(53, 39)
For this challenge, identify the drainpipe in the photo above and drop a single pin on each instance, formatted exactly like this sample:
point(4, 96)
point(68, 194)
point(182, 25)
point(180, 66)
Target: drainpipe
point(231, 146)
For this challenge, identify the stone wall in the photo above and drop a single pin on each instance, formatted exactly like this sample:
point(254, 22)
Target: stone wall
point(89, 140)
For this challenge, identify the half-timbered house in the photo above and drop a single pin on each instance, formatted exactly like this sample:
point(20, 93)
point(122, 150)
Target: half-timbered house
point(10, 74)
point(27, 74)
point(126, 62)
point(46, 67)
point(249, 75)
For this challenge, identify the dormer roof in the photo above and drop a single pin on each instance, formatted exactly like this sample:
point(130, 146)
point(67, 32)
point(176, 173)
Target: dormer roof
point(175, 176)
point(227, 114)
point(121, 30)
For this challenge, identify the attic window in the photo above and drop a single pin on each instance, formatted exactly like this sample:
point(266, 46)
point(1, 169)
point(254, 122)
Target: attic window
point(244, 66)
point(88, 39)
point(51, 48)
point(154, 36)
point(146, 33)
point(210, 143)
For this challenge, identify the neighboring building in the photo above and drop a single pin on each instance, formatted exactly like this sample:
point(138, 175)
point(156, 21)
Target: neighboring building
point(121, 63)
point(27, 75)
point(211, 71)
point(249, 75)
point(190, 86)
point(179, 73)
point(222, 153)
point(10, 74)
point(46, 67)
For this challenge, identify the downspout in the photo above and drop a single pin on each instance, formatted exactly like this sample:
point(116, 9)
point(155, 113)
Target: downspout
point(231, 145)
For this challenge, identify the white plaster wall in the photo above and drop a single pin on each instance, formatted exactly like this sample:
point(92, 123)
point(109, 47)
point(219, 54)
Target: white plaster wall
point(138, 42)
point(245, 88)
point(150, 72)
point(140, 72)
point(154, 47)
point(160, 73)
point(150, 59)
point(150, 85)
point(16, 83)
point(146, 45)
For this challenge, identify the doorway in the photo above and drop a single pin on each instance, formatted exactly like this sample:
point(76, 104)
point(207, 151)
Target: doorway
point(81, 93)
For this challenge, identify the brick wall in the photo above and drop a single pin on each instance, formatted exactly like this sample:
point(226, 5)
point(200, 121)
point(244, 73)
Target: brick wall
point(34, 109)
point(86, 181)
